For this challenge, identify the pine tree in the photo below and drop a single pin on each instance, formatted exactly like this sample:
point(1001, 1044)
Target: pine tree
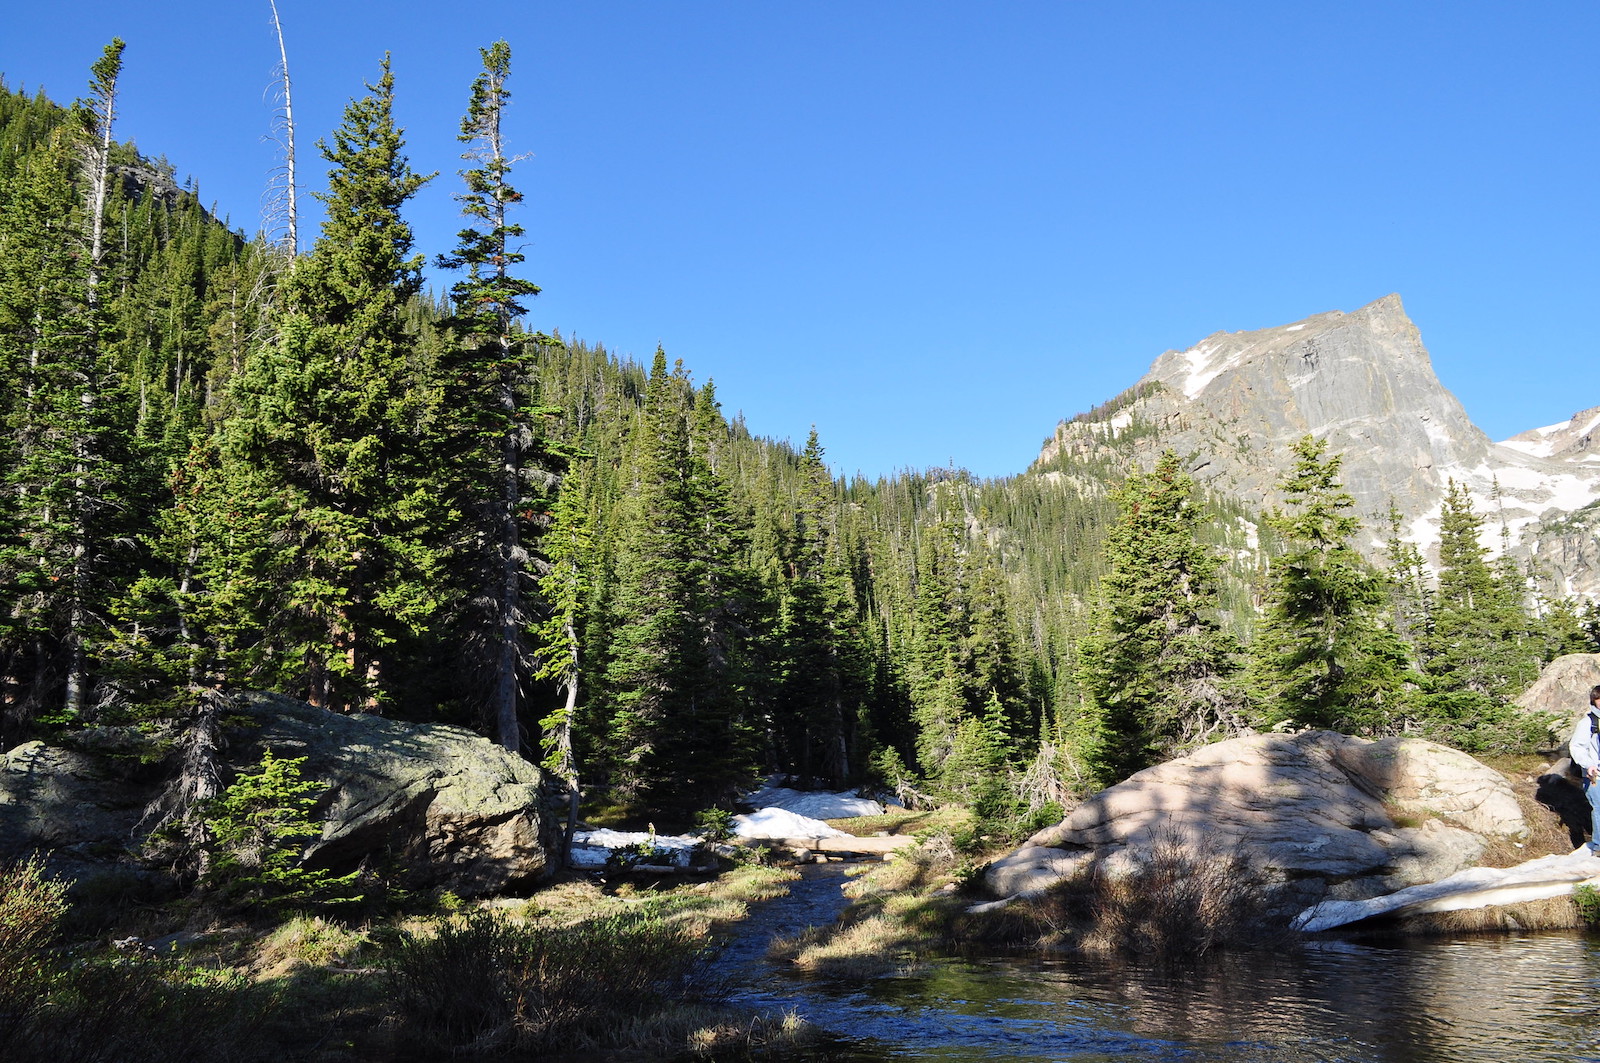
point(69, 472)
point(823, 683)
point(333, 415)
point(45, 325)
point(679, 735)
point(567, 592)
point(1157, 669)
point(1322, 658)
point(495, 439)
point(1411, 599)
point(1481, 650)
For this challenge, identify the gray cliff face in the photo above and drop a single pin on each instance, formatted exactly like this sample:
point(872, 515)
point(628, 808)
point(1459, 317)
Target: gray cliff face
point(1233, 404)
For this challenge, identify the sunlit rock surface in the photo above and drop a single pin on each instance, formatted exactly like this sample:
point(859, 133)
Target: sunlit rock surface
point(1312, 815)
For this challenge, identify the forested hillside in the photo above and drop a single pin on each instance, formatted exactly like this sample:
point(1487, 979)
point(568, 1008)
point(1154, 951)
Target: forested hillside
point(229, 465)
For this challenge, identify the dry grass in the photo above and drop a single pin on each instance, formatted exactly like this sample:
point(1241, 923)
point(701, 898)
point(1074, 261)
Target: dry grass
point(708, 1032)
point(946, 818)
point(312, 989)
point(700, 905)
point(877, 945)
point(1179, 903)
point(1553, 913)
point(1176, 903)
point(901, 911)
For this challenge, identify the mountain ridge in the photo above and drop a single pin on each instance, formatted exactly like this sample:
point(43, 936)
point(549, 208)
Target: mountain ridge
point(1233, 403)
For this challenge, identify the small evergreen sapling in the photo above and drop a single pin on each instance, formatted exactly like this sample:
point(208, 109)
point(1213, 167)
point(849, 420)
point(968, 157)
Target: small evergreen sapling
point(258, 829)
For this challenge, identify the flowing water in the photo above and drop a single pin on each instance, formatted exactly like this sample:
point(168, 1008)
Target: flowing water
point(1531, 998)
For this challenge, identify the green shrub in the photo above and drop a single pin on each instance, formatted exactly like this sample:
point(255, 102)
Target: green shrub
point(31, 907)
point(716, 825)
point(1587, 898)
point(627, 857)
point(142, 1009)
point(131, 1009)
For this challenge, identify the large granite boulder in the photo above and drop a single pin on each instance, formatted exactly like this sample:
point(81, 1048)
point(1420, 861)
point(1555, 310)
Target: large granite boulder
point(1562, 689)
point(67, 801)
point(1313, 815)
point(448, 806)
point(436, 806)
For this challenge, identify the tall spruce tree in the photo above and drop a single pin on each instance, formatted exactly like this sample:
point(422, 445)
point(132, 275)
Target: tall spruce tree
point(333, 416)
point(566, 587)
point(1157, 669)
point(679, 739)
point(491, 425)
point(45, 330)
point(68, 541)
point(823, 660)
point(1481, 650)
point(1321, 657)
point(1480, 640)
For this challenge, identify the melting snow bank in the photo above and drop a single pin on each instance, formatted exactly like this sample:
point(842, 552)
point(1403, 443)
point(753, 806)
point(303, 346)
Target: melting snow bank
point(782, 823)
point(781, 814)
point(591, 848)
point(815, 805)
point(1478, 887)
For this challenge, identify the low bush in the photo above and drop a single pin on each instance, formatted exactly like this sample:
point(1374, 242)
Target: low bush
point(1587, 899)
point(484, 983)
point(1179, 902)
point(31, 906)
point(143, 1009)
point(716, 825)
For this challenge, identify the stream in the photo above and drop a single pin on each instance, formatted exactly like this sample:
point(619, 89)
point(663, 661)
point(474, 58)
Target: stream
point(1527, 998)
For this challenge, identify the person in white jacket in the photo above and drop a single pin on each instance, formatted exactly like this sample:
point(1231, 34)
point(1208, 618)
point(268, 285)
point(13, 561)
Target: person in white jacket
point(1585, 749)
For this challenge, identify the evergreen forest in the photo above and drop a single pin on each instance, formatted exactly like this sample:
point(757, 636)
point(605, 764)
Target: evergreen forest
point(233, 462)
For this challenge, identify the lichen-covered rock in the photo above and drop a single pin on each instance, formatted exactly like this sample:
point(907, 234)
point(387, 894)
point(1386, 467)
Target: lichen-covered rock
point(435, 806)
point(446, 806)
point(1310, 813)
point(53, 798)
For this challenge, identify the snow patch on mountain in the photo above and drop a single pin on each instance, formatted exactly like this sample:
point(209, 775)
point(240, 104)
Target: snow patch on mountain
point(1200, 370)
point(1541, 447)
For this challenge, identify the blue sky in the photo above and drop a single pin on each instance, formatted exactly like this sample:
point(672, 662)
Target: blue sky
point(932, 229)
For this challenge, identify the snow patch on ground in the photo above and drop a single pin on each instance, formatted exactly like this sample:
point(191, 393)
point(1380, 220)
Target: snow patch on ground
point(817, 805)
point(782, 823)
point(1295, 328)
point(590, 848)
point(783, 813)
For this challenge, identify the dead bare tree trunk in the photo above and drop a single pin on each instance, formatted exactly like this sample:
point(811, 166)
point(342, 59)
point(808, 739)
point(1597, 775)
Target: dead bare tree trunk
point(286, 121)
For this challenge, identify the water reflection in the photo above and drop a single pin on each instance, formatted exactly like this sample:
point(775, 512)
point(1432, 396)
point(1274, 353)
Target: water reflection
point(1528, 999)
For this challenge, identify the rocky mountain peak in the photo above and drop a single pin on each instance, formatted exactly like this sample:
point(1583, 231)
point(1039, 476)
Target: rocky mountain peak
point(1234, 403)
